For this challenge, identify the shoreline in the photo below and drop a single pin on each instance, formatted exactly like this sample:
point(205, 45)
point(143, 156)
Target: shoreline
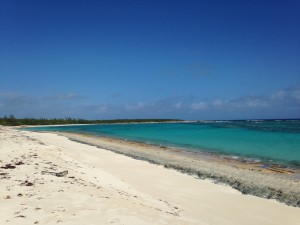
point(47, 179)
point(271, 162)
point(281, 184)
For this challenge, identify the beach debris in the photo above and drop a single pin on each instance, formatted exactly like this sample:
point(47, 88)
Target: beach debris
point(20, 195)
point(7, 197)
point(58, 174)
point(11, 166)
point(27, 183)
point(20, 216)
point(8, 166)
point(19, 163)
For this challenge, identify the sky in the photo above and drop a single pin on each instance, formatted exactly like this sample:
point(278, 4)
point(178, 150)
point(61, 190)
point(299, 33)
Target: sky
point(109, 59)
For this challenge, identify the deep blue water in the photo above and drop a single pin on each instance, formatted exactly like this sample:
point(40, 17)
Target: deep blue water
point(275, 141)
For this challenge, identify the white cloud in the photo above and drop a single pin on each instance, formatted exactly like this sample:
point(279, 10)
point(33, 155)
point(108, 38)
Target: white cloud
point(246, 102)
point(288, 94)
point(279, 95)
point(256, 103)
point(217, 103)
point(199, 106)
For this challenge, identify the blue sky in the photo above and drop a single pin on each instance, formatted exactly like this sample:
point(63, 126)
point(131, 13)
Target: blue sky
point(150, 59)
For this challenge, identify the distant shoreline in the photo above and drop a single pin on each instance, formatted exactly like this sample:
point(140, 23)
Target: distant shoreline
point(13, 121)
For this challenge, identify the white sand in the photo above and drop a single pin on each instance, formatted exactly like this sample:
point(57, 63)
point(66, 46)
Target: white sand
point(109, 188)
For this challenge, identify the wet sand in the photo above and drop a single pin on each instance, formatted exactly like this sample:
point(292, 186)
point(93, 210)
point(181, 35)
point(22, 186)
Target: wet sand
point(102, 187)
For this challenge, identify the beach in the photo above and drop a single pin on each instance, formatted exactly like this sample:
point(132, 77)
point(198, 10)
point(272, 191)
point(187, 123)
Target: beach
point(49, 178)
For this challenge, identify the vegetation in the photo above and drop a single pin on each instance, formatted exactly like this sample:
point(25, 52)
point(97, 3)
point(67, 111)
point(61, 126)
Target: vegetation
point(13, 121)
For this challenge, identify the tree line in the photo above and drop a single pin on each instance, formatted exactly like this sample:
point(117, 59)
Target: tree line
point(13, 121)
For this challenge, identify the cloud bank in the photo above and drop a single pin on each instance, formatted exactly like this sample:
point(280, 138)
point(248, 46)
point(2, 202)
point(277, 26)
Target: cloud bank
point(284, 103)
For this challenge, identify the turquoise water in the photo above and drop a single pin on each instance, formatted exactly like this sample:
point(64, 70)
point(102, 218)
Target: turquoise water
point(275, 141)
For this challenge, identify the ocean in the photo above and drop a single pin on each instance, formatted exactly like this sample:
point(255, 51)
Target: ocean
point(266, 141)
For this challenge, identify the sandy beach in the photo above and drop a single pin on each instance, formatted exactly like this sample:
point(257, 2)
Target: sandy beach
point(47, 178)
point(249, 177)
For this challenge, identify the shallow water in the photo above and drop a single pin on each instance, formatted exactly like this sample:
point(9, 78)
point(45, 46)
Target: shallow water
point(270, 141)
